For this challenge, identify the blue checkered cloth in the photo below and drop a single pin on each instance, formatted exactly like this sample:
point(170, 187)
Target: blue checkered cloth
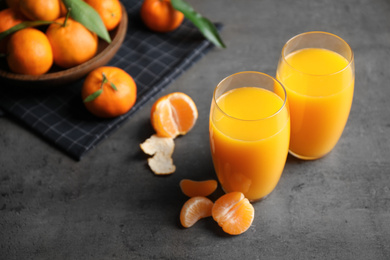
point(154, 60)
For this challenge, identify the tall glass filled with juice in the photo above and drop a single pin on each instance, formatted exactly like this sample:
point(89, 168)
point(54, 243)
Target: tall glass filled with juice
point(249, 133)
point(317, 70)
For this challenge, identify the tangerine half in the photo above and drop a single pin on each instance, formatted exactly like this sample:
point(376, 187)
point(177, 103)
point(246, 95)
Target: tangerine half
point(173, 114)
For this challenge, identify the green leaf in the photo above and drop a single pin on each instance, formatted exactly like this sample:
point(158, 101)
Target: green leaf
point(206, 27)
point(93, 96)
point(105, 80)
point(113, 86)
point(87, 16)
point(21, 26)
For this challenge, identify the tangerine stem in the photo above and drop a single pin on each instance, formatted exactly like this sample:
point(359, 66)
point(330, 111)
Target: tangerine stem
point(105, 80)
point(66, 17)
point(98, 92)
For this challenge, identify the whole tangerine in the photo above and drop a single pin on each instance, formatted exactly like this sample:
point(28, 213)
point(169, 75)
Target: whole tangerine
point(160, 16)
point(29, 52)
point(109, 10)
point(72, 43)
point(109, 92)
point(8, 19)
point(44, 10)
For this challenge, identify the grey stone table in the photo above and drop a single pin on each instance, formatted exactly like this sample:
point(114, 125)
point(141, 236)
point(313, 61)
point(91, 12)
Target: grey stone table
point(110, 206)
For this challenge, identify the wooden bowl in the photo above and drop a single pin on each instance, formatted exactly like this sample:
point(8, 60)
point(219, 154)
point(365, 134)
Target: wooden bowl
point(60, 77)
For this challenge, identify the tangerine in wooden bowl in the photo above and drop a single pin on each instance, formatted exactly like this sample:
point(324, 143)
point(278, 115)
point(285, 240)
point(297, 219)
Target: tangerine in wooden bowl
point(57, 76)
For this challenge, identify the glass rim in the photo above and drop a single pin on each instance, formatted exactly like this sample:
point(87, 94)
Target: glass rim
point(251, 120)
point(350, 61)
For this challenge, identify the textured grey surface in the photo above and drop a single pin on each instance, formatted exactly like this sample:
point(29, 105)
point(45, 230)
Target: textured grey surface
point(110, 206)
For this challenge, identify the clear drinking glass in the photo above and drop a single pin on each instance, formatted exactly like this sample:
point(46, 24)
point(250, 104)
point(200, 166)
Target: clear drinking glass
point(249, 133)
point(317, 70)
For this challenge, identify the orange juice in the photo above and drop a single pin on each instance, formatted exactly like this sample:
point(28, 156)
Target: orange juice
point(249, 137)
point(319, 85)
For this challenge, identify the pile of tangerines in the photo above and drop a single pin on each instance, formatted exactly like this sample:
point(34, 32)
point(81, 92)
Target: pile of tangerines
point(64, 42)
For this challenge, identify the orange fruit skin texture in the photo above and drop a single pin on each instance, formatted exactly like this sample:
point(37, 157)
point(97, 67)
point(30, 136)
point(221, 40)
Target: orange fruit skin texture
point(160, 16)
point(8, 19)
point(29, 52)
point(233, 212)
point(110, 103)
point(198, 188)
point(173, 114)
point(72, 44)
point(195, 209)
point(109, 10)
point(43, 10)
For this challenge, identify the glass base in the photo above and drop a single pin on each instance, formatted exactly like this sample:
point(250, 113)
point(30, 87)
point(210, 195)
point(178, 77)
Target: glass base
point(255, 200)
point(261, 199)
point(305, 157)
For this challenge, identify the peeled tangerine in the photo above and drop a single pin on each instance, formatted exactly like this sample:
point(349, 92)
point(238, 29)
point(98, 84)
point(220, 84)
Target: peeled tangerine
point(174, 114)
point(234, 213)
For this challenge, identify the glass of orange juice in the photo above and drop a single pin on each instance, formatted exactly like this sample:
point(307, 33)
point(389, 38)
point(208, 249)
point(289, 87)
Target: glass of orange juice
point(317, 70)
point(249, 133)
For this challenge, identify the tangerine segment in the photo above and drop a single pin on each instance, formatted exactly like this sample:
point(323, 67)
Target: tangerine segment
point(234, 213)
point(198, 188)
point(174, 114)
point(195, 209)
